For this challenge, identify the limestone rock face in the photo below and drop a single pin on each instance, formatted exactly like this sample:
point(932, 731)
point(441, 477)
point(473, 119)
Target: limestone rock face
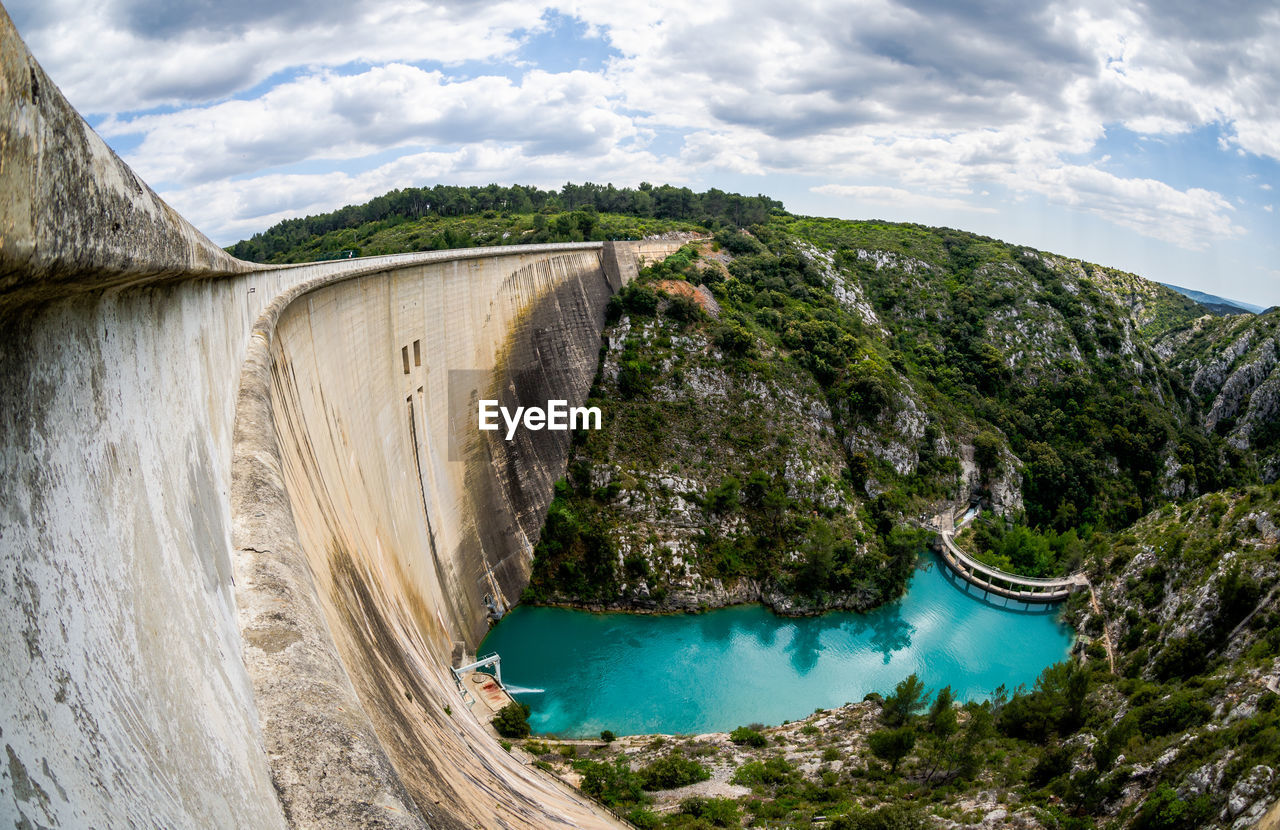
point(1232, 365)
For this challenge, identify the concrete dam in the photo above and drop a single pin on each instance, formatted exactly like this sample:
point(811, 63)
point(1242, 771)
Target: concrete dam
point(246, 515)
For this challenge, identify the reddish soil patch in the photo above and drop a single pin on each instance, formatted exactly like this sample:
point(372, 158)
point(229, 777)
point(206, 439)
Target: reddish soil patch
point(680, 288)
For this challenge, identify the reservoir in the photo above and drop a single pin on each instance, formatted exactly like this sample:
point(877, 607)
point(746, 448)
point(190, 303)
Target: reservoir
point(690, 673)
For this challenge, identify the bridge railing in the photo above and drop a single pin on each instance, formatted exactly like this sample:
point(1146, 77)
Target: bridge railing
point(1025, 588)
point(1016, 579)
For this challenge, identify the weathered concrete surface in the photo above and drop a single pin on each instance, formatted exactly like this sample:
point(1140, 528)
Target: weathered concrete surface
point(158, 399)
point(343, 461)
point(74, 216)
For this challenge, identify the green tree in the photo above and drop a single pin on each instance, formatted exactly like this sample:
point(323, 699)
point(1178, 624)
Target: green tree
point(986, 454)
point(512, 721)
point(943, 721)
point(908, 698)
point(892, 745)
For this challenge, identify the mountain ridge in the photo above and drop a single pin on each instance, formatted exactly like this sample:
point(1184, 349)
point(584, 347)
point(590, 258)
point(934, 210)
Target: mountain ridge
point(1216, 304)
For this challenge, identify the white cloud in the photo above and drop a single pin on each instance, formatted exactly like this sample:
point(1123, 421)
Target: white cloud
point(190, 64)
point(938, 99)
point(1190, 219)
point(351, 116)
point(897, 197)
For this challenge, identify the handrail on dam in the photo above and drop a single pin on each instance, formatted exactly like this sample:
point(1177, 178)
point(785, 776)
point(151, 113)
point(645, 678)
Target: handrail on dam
point(1022, 588)
point(488, 660)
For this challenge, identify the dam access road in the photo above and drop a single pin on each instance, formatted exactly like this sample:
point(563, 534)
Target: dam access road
point(244, 524)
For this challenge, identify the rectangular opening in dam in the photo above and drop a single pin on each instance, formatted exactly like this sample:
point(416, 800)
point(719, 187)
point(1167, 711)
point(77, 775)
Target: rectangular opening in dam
point(404, 357)
point(417, 353)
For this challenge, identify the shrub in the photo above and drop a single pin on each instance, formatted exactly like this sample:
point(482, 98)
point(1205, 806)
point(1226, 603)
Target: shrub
point(670, 772)
point(889, 817)
point(611, 784)
point(639, 299)
point(770, 771)
point(1181, 657)
point(1170, 714)
point(685, 310)
point(718, 812)
point(738, 243)
point(733, 339)
point(1054, 761)
point(892, 745)
point(1164, 810)
point(745, 735)
point(512, 721)
point(607, 736)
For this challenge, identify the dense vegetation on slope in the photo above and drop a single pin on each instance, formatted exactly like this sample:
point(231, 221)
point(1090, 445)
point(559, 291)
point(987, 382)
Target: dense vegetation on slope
point(781, 404)
point(720, 458)
point(1185, 733)
point(446, 216)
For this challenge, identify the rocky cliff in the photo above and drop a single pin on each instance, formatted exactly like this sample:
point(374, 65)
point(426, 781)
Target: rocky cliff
point(1228, 366)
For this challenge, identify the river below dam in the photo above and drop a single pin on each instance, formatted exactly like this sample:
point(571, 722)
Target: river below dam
point(582, 672)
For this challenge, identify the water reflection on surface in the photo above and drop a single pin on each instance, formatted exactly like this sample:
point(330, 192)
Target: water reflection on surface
point(714, 671)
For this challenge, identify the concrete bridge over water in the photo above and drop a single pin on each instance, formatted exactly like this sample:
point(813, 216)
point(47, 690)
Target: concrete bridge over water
point(993, 580)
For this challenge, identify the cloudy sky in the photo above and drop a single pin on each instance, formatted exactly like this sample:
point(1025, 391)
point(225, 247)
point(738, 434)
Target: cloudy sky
point(1143, 135)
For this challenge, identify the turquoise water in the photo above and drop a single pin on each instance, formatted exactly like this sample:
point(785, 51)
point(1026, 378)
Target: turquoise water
point(692, 673)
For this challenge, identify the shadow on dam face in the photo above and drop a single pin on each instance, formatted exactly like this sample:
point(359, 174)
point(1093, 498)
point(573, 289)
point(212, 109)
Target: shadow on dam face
point(236, 553)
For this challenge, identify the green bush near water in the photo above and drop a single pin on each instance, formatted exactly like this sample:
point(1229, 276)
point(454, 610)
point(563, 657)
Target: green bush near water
point(670, 772)
point(512, 721)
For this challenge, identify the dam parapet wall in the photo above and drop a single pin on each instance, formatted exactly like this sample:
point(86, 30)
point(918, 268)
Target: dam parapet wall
point(238, 537)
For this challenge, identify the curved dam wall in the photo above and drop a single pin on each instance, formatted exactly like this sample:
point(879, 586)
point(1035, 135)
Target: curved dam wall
point(238, 542)
point(374, 485)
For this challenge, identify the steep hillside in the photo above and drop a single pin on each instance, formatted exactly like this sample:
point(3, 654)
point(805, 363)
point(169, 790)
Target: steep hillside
point(722, 474)
point(1185, 734)
point(861, 372)
point(1228, 367)
point(781, 406)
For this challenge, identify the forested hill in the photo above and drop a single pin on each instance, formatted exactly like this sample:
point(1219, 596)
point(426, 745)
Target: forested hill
point(570, 214)
point(783, 404)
